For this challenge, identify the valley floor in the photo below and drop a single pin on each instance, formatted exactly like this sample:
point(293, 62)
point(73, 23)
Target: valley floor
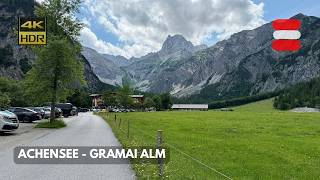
point(254, 141)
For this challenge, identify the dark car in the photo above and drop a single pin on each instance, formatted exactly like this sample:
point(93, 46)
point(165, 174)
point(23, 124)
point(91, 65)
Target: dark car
point(67, 109)
point(47, 110)
point(25, 114)
point(39, 110)
point(83, 109)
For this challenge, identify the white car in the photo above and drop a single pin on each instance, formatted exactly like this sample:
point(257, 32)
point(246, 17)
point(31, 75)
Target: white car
point(8, 121)
point(47, 112)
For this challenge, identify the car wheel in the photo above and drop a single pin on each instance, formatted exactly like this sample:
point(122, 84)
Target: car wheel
point(26, 119)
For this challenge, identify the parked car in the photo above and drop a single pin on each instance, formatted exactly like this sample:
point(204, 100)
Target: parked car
point(95, 110)
point(8, 121)
point(25, 114)
point(39, 110)
point(84, 109)
point(66, 108)
point(47, 111)
point(74, 111)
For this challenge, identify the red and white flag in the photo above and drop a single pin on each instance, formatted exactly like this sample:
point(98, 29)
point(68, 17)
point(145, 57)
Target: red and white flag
point(286, 35)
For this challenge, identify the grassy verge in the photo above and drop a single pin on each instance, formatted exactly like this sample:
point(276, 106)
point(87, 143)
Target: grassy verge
point(253, 142)
point(56, 124)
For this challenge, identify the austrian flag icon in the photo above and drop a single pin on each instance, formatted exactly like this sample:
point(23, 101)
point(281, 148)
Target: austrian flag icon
point(286, 35)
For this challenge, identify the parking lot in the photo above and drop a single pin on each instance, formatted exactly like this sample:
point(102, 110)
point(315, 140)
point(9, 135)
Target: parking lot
point(24, 134)
point(86, 129)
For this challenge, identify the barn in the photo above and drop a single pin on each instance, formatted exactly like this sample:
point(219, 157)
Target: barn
point(200, 107)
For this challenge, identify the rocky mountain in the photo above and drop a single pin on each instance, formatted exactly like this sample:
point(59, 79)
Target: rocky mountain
point(106, 69)
point(94, 84)
point(242, 65)
point(252, 67)
point(153, 67)
point(17, 60)
point(119, 61)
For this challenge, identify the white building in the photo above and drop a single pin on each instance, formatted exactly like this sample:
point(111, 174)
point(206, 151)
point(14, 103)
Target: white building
point(201, 107)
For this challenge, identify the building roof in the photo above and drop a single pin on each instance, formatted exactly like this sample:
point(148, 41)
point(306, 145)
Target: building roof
point(136, 96)
point(189, 106)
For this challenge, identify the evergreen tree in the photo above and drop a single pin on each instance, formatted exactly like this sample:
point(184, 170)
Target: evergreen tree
point(57, 68)
point(157, 102)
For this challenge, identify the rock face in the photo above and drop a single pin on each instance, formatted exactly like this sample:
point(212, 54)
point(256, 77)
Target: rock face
point(93, 82)
point(105, 69)
point(16, 60)
point(119, 61)
point(260, 69)
point(159, 71)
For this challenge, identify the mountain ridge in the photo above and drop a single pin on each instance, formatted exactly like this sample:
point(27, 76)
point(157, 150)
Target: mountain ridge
point(242, 65)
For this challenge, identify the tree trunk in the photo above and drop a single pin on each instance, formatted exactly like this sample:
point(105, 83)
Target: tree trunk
point(54, 99)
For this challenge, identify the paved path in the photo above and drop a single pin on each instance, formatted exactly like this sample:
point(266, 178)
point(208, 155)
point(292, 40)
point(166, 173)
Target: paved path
point(83, 130)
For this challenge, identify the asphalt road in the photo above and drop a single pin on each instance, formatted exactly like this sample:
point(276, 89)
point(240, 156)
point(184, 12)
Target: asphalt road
point(83, 130)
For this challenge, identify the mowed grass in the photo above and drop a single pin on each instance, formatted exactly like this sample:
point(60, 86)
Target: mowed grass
point(254, 141)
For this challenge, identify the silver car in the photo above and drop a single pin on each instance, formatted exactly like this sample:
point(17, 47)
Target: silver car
point(8, 121)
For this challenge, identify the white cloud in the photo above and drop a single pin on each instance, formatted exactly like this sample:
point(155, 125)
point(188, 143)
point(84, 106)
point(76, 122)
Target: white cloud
point(89, 39)
point(143, 25)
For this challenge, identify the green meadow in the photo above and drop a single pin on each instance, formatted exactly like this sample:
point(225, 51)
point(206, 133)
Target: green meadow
point(254, 141)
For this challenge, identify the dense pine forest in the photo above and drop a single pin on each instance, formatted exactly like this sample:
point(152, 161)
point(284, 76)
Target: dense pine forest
point(304, 94)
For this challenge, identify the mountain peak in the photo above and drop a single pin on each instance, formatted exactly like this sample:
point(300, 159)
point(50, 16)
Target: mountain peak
point(298, 16)
point(176, 43)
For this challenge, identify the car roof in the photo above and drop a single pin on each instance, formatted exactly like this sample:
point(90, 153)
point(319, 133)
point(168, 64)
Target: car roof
point(22, 108)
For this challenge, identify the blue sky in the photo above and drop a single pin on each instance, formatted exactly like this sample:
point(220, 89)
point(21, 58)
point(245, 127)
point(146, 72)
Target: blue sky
point(136, 27)
point(274, 9)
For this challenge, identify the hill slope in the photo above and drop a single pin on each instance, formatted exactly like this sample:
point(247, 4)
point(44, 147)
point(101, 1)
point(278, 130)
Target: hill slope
point(17, 60)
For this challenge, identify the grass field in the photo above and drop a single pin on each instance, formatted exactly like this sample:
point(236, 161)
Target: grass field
point(253, 142)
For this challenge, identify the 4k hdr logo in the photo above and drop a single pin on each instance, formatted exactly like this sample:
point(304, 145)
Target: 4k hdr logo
point(32, 31)
point(286, 35)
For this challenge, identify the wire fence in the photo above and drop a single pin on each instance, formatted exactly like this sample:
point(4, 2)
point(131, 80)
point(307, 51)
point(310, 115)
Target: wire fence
point(118, 124)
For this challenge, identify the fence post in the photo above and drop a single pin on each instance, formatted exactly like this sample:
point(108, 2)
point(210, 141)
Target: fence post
point(159, 145)
point(128, 132)
point(115, 120)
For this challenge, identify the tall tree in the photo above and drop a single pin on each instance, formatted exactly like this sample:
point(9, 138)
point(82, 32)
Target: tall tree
point(61, 19)
point(80, 98)
point(109, 98)
point(124, 96)
point(57, 67)
point(157, 102)
point(148, 103)
point(55, 71)
point(166, 101)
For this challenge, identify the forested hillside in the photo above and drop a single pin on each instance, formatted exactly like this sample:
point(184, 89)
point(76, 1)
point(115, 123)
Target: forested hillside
point(300, 95)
